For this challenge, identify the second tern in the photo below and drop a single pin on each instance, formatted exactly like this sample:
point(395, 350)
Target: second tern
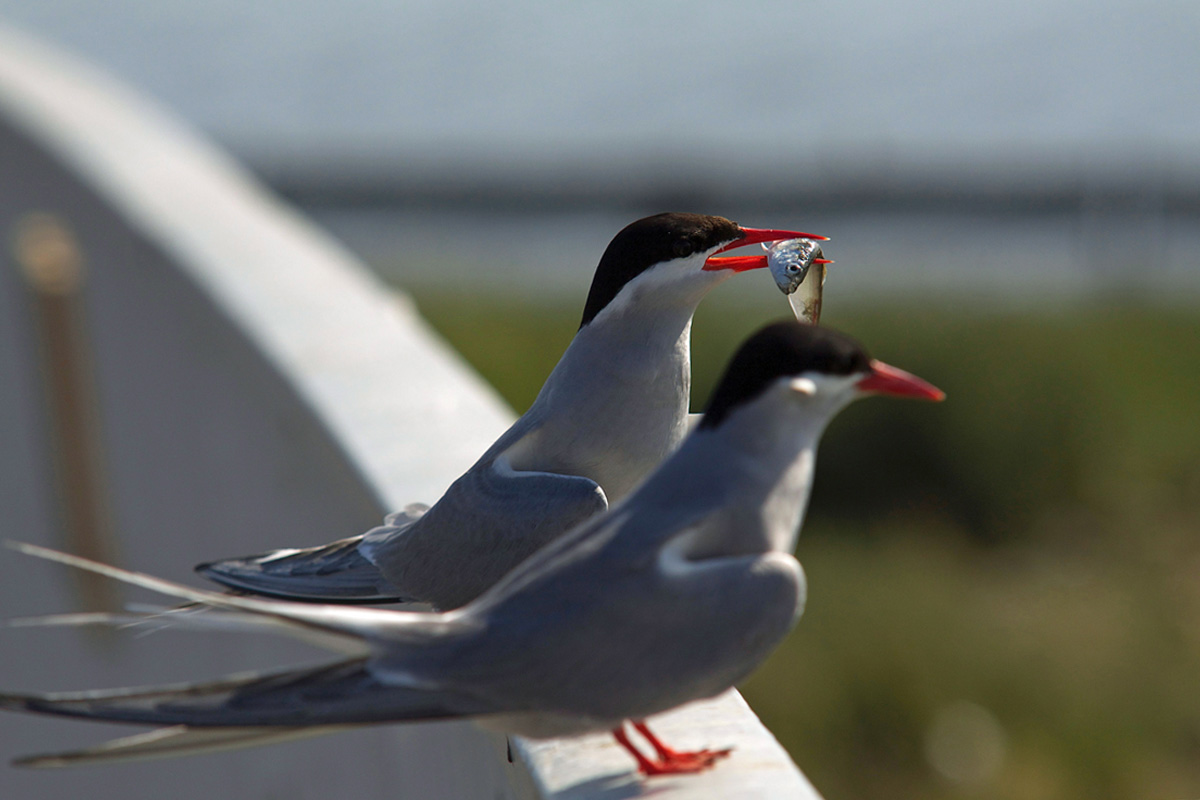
point(675, 594)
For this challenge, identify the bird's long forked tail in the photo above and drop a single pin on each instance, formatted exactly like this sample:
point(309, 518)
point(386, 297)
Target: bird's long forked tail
point(238, 711)
point(173, 742)
point(247, 709)
point(342, 693)
point(344, 629)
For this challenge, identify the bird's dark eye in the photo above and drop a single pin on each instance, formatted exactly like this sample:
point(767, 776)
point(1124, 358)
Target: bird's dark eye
point(682, 248)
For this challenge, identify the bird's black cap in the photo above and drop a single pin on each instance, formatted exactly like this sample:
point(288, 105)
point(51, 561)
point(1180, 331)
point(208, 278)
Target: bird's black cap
point(784, 348)
point(642, 244)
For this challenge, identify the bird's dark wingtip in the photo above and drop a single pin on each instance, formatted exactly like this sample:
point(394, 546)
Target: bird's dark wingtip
point(14, 702)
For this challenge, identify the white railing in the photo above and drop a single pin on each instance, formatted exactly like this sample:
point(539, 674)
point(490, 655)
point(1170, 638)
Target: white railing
point(226, 379)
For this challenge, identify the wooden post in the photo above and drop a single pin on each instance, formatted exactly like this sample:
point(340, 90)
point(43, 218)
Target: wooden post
point(52, 265)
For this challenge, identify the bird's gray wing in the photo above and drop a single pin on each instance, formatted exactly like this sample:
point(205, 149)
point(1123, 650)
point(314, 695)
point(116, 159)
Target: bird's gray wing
point(171, 742)
point(597, 606)
point(632, 534)
point(489, 521)
point(333, 573)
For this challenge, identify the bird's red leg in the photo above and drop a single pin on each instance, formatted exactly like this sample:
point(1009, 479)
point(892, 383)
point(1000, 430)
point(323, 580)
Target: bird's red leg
point(645, 765)
point(670, 755)
point(670, 761)
point(664, 766)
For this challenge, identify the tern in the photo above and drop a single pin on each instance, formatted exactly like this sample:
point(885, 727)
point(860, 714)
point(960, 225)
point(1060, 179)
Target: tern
point(674, 594)
point(612, 409)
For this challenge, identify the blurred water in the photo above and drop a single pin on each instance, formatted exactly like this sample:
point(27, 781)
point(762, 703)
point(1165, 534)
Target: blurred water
point(1026, 259)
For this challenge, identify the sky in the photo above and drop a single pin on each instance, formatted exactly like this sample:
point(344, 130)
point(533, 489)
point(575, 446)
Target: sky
point(1101, 81)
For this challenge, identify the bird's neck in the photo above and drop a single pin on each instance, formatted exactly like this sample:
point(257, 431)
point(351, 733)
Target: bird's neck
point(757, 467)
point(616, 404)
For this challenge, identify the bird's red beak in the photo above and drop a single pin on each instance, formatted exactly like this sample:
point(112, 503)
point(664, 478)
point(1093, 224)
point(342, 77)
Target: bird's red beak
point(886, 379)
point(754, 236)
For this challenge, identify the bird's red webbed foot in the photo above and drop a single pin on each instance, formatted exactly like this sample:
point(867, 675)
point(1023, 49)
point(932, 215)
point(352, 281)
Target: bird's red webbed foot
point(669, 760)
point(670, 754)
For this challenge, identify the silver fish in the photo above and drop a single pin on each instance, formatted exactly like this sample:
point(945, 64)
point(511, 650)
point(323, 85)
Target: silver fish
point(798, 266)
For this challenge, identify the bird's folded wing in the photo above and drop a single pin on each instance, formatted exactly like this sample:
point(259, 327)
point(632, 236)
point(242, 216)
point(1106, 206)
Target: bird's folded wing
point(541, 505)
point(333, 573)
point(337, 572)
point(489, 521)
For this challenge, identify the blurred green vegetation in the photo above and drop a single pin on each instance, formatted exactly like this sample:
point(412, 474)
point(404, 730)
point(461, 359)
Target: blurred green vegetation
point(1030, 547)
